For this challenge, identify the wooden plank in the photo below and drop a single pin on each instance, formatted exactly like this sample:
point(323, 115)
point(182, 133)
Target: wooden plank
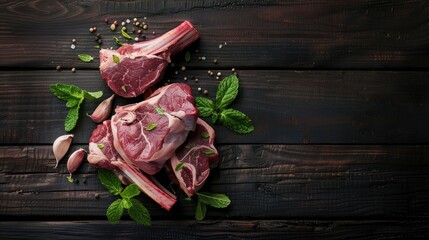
point(263, 181)
point(286, 106)
point(275, 34)
point(230, 229)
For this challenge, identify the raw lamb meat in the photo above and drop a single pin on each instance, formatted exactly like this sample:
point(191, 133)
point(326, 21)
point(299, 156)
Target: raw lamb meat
point(142, 64)
point(146, 134)
point(195, 156)
point(102, 154)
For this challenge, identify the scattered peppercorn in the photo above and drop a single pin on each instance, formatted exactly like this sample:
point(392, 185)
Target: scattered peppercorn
point(73, 40)
point(94, 28)
point(139, 31)
point(112, 27)
point(196, 80)
point(185, 78)
point(153, 33)
point(96, 195)
point(58, 67)
point(183, 68)
point(116, 23)
point(72, 46)
point(123, 24)
point(106, 20)
point(98, 35)
point(219, 74)
point(206, 92)
point(233, 70)
point(136, 39)
point(215, 61)
point(100, 41)
point(136, 23)
point(199, 89)
point(91, 30)
point(73, 70)
point(217, 78)
point(145, 26)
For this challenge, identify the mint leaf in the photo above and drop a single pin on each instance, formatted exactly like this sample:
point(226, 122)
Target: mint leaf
point(115, 211)
point(92, 95)
point(74, 97)
point(117, 41)
point(85, 57)
point(151, 126)
point(201, 211)
point(70, 179)
point(160, 111)
point(215, 117)
point(188, 56)
point(116, 59)
point(126, 203)
point(226, 92)
point(72, 117)
point(216, 200)
point(130, 191)
point(209, 152)
point(205, 106)
point(125, 34)
point(65, 92)
point(236, 121)
point(139, 213)
point(110, 181)
point(205, 134)
point(100, 146)
point(179, 166)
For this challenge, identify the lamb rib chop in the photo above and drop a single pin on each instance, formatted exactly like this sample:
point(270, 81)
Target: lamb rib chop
point(102, 154)
point(142, 64)
point(196, 156)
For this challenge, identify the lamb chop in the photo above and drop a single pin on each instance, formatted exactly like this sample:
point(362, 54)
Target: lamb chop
point(142, 64)
point(190, 165)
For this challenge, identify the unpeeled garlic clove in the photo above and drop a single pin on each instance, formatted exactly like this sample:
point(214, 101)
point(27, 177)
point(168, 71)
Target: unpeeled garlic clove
point(75, 160)
point(61, 146)
point(102, 112)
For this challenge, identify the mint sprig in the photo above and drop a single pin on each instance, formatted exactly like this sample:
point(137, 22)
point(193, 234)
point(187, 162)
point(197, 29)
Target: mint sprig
point(85, 57)
point(216, 200)
point(226, 93)
point(74, 97)
point(134, 207)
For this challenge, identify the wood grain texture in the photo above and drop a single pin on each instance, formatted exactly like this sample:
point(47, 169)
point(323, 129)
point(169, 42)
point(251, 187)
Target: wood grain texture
point(286, 106)
point(261, 34)
point(263, 181)
point(253, 229)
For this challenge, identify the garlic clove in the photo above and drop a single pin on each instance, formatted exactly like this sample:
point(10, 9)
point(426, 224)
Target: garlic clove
point(75, 160)
point(61, 146)
point(102, 112)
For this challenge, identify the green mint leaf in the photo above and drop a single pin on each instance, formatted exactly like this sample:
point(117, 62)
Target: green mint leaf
point(70, 179)
point(179, 166)
point(139, 213)
point(130, 191)
point(209, 152)
point(110, 181)
point(205, 106)
point(124, 88)
point(117, 41)
point(97, 46)
point(205, 134)
point(125, 34)
point(85, 57)
point(72, 102)
point(215, 117)
point(216, 200)
point(65, 91)
point(200, 212)
point(151, 127)
point(236, 121)
point(226, 92)
point(126, 203)
point(92, 95)
point(116, 59)
point(115, 211)
point(188, 56)
point(72, 117)
point(187, 199)
point(160, 111)
point(100, 146)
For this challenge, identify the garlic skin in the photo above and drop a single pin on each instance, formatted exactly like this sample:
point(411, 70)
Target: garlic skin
point(61, 146)
point(75, 160)
point(102, 112)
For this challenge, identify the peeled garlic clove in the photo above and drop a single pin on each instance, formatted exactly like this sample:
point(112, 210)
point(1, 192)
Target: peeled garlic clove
point(102, 112)
point(75, 160)
point(61, 146)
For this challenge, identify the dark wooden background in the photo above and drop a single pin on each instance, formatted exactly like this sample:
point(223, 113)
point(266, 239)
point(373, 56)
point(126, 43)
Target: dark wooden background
point(337, 90)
